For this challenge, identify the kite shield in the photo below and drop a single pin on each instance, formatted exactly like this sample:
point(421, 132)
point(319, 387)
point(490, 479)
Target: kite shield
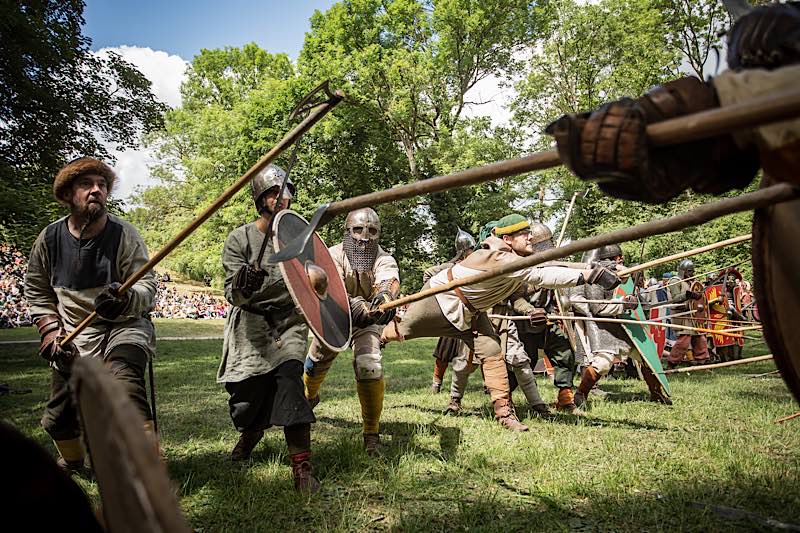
point(314, 283)
point(641, 338)
point(135, 490)
point(659, 334)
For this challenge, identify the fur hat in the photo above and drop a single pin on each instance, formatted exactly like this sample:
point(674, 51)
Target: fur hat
point(80, 167)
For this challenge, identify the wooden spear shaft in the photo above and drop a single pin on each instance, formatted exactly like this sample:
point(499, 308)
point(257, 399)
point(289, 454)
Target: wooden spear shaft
point(773, 194)
point(289, 139)
point(619, 321)
point(681, 255)
point(763, 110)
point(719, 365)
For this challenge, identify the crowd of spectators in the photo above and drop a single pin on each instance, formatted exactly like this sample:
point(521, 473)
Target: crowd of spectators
point(170, 302)
point(14, 311)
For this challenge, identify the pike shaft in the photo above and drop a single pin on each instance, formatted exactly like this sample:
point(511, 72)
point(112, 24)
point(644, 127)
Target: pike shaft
point(773, 194)
point(268, 158)
point(688, 253)
point(763, 110)
point(720, 365)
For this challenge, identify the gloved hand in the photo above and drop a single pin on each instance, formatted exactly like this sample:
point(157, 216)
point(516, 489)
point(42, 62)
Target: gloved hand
point(248, 279)
point(603, 277)
point(630, 302)
point(366, 314)
point(766, 37)
point(110, 304)
point(51, 332)
point(538, 317)
point(381, 298)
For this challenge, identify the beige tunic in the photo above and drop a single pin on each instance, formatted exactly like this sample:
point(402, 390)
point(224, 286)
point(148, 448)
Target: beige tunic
point(364, 283)
point(486, 294)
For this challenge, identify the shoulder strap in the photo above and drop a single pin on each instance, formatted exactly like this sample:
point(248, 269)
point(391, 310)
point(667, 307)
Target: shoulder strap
point(460, 294)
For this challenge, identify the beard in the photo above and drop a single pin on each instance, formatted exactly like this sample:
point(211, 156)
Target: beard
point(88, 213)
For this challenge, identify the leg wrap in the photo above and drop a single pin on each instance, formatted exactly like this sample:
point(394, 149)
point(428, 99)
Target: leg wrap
point(527, 382)
point(298, 438)
point(700, 348)
point(70, 450)
point(370, 395)
point(602, 362)
point(313, 375)
point(679, 349)
point(439, 368)
point(461, 371)
point(495, 377)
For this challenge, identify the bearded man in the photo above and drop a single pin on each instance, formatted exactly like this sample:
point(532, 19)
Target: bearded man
point(461, 313)
point(265, 338)
point(77, 265)
point(371, 277)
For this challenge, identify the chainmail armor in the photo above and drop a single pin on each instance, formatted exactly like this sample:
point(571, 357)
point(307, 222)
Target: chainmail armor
point(361, 254)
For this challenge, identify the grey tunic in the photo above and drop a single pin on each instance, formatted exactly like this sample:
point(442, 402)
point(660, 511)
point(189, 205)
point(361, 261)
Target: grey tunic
point(272, 330)
point(66, 274)
point(602, 336)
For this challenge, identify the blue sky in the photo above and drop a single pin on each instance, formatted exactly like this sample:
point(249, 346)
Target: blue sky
point(183, 27)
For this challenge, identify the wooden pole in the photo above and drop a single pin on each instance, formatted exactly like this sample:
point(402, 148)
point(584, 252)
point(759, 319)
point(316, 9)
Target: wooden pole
point(681, 255)
point(787, 418)
point(619, 321)
point(719, 365)
point(288, 139)
point(763, 110)
point(771, 195)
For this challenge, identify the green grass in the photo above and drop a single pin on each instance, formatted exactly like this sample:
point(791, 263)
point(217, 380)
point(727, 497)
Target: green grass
point(165, 327)
point(628, 465)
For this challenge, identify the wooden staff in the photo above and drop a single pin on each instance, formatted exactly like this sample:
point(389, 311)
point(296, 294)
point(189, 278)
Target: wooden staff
point(288, 139)
point(719, 365)
point(620, 321)
point(787, 418)
point(681, 255)
point(782, 192)
point(557, 293)
point(766, 109)
point(696, 276)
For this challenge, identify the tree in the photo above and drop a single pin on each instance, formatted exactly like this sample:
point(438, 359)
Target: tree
point(58, 100)
point(695, 28)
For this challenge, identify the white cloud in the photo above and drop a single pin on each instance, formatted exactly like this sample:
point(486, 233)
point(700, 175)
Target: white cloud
point(490, 98)
point(166, 72)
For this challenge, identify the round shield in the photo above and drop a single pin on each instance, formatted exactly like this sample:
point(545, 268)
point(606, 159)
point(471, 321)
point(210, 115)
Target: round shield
point(776, 264)
point(314, 283)
point(135, 490)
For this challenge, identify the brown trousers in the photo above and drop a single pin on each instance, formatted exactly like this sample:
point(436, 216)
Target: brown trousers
point(425, 319)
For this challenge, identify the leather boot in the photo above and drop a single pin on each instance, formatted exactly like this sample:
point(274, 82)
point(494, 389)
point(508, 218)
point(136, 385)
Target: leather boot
point(454, 407)
point(541, 410)
point(303, 473)
point(506, 417)
point(589, 379)
point(657, 393)
point(372, 443)
point(566, 402)
point(247, 441)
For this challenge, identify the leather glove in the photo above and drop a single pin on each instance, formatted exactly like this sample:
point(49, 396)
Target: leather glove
point(630, 302)
point(51, 332)
point(610, 146)
point(693, 295)
point(381, 298)
point(603, 277)
point(538, 317)
point(248, 279)
point(767, 37)
point(110, 304)
point(366, 314)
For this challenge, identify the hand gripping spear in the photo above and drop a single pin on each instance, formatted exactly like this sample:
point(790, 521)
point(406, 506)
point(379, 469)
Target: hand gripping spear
point(288, 140)
point(763, 110)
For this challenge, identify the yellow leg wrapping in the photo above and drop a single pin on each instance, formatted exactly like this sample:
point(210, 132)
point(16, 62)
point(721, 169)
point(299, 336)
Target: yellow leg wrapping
point(370, 394)
point(70, 450)
point(314, 383)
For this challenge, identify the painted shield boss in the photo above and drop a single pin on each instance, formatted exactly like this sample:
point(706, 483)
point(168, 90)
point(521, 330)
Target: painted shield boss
point(135, 490)
point(314, 283)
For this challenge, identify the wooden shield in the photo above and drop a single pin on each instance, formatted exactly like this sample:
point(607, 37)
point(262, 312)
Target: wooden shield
point(135, 490)
point(640, 336)
point(659, 334)
point(717, 305)
point(314, 283)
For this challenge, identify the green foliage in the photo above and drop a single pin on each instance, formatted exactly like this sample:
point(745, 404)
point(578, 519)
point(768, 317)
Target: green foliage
point(58, 101)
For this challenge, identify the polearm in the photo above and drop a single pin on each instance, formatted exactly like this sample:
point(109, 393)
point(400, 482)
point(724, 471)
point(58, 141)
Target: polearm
point(757, 111)
point(682, 255)
point(288, 139)
point(771, 195)
point(622, 321)
point(559, 304)
point(696, 276)
point(698, 368)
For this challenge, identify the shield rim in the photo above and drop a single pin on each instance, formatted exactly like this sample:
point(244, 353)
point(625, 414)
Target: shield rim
point(626, 288)
point(331, 280)
point(96, 391)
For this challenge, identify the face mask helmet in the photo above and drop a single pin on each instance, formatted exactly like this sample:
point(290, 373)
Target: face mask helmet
point(362, 229)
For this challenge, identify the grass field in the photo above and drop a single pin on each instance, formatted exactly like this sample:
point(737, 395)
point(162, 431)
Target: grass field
point(628, 465)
